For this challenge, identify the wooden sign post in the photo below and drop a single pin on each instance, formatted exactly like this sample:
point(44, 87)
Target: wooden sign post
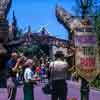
point(86, 51)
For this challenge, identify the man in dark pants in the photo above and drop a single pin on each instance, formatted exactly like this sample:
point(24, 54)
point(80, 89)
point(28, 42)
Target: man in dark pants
point(58, 75)
point(11, 76)
point(60, 90)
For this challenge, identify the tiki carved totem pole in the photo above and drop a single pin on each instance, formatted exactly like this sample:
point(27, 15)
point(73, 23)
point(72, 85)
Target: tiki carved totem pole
point(85, 41)
point(4, 9)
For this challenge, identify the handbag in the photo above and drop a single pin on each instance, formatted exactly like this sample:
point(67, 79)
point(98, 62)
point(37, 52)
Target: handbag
point(47, 88)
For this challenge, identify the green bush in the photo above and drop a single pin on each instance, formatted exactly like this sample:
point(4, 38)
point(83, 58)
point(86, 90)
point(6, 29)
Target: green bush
point(96, 82)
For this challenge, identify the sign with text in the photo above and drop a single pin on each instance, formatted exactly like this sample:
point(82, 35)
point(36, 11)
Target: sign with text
point(85, 58)
point(85, 40)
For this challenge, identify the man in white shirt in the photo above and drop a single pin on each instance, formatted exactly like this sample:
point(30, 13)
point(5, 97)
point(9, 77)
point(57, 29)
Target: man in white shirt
point(28, 78)
point(58, 69)
point(28, 75)
point(58, 74)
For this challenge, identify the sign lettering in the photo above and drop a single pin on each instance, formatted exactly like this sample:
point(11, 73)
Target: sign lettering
point(85, 39)
point(89, 51)
point(87, 61)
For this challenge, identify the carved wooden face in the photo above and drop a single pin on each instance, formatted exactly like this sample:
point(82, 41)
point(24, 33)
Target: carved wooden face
point(4, 3)
point(4, 6)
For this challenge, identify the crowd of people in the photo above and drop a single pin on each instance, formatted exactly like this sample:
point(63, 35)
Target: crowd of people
point(22, 70)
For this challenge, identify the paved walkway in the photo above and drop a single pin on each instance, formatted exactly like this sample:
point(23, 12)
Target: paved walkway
point(73, 91)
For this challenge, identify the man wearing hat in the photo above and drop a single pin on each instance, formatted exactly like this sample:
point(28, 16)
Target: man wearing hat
point(58, 73)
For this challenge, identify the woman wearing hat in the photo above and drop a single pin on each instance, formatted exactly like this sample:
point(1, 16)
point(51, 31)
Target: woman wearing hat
point(58, 71)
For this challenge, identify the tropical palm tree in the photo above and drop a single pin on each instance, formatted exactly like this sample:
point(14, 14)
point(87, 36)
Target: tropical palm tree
point(84, 7)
